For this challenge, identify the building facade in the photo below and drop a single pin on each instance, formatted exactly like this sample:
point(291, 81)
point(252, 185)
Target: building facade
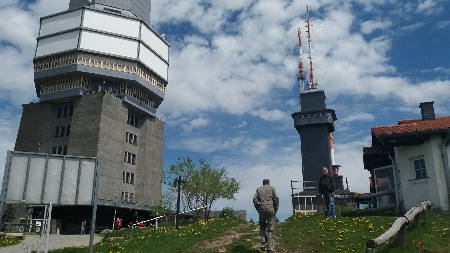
point(413, 159)
point(100, 74)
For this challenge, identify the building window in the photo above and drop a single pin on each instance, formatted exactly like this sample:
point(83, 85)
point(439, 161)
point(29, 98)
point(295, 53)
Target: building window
point(128, 177)
point(62, 131)
point(126, 197)
point(60, 150)
point(131, 138)
point(421, 170)
point(65, 111)
point(129, 158)
point(133, 120)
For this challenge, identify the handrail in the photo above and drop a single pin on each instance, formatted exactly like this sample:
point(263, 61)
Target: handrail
point(374, 195)
point(399, 227)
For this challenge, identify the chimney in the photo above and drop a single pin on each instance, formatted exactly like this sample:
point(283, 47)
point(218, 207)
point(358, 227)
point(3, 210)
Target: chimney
point(427, 110)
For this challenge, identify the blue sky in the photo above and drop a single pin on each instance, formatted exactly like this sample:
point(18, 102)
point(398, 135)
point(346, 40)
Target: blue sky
point(232, 78)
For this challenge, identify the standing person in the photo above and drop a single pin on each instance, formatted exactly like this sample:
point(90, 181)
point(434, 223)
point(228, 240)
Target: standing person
point(136, 217)
point(266, 203)
point(326, 188)
point(83, 227)
point(118, 223)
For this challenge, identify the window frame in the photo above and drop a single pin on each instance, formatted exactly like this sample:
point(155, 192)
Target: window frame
point(420, 172)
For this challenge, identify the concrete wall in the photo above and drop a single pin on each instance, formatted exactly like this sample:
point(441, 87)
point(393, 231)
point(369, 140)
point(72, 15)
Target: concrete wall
point(315, 145)
point(150, 161)
point(433, 188)
point(98, 129)
point(37, 128)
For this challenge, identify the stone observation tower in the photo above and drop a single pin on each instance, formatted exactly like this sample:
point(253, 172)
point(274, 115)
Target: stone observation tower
point(100, 73)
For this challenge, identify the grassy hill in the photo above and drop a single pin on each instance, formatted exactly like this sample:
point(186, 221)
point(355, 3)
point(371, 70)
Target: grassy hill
point(300, 233)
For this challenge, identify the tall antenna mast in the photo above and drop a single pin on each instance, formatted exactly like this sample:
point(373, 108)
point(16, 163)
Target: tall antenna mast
point(311, 72)
point(301, 75)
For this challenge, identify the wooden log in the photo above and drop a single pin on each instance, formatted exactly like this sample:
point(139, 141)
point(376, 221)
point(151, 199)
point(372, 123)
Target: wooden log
point(400, 227)
point(374, 195)
point(396, 226)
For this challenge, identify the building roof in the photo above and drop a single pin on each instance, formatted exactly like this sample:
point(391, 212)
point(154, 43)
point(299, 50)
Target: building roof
point(413, 125)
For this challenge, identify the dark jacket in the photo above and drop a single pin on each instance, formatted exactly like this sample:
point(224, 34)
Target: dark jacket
point(328, 185)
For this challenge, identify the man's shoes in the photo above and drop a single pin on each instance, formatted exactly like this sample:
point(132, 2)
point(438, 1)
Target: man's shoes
point(263, 247)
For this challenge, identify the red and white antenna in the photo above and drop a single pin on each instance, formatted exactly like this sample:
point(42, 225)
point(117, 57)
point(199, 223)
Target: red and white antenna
point(301, 75)
point(311, 71)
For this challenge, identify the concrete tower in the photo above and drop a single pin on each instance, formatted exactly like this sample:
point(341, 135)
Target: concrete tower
point(100, 74)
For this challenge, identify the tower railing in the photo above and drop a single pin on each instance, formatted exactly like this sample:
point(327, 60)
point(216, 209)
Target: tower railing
point(100, 61)
point(130, 90)
point(306, 200)
point(66, 84)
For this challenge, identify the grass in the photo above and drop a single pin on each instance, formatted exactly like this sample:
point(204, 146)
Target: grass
point(10, 240)
point(349, 233)
point(302, 232)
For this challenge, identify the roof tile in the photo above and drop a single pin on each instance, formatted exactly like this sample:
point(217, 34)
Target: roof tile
point(413, 125)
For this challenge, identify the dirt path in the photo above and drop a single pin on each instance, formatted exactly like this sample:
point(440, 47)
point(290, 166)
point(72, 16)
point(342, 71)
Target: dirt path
point(220, 243)
point(35, 242)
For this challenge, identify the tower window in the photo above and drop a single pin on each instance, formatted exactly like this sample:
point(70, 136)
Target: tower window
point(65, 111)
point(124, 197)
point(60, 150)
point(131, 138)
point(62, 131)
point(133, 120)
point(128, 177)
point(127, 197)
point(129, 158)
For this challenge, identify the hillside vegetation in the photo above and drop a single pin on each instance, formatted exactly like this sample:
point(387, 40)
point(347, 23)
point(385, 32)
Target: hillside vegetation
point(300, 233)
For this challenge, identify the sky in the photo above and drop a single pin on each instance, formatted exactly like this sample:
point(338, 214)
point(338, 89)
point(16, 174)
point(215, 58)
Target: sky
point(233, 79)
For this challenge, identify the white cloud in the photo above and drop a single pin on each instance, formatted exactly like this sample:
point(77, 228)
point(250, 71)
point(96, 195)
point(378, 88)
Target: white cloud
point(243, 124)
point(372, 25)
point(426, 7)
point(443, 24)
point(412, 27)
point(195, 123)
point(270, 115)
point(359, 116)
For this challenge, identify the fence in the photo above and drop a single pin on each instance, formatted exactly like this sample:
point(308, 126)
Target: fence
point(400, 227)
point(372, 196)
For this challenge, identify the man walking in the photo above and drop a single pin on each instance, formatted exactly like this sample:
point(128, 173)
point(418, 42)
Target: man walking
point(326, 188)
point(266, 203)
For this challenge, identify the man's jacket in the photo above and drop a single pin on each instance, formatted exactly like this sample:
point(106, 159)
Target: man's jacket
point(329, 184)
point(266, 199)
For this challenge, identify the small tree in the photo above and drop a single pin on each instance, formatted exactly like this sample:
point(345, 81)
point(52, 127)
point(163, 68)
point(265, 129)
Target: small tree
point(203, 185)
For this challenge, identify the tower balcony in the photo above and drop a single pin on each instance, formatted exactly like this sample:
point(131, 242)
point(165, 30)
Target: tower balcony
point(326, 116)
